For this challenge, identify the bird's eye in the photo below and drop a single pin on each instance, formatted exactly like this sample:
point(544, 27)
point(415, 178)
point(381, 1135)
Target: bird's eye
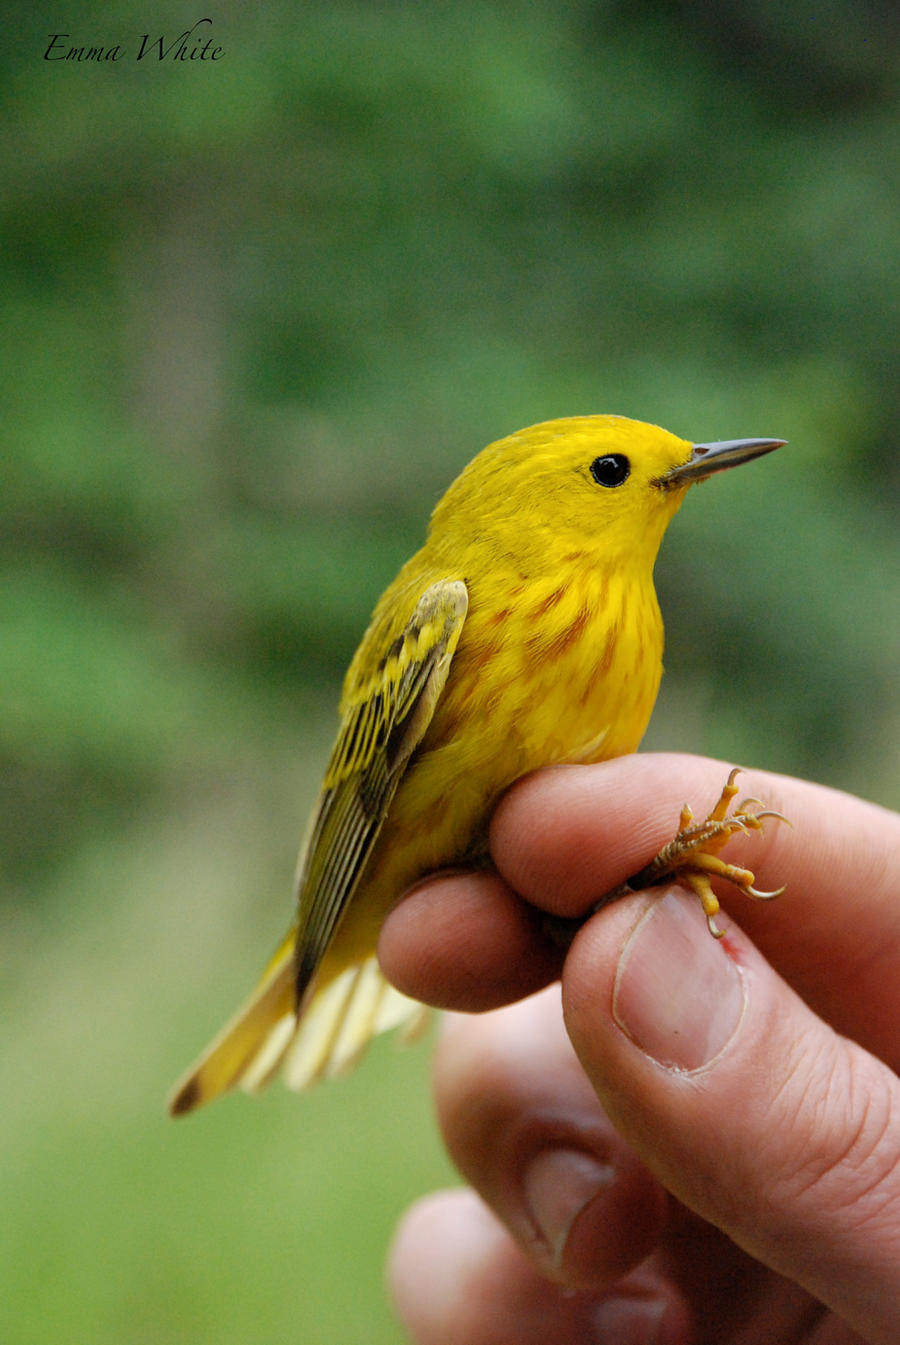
point(610, 470)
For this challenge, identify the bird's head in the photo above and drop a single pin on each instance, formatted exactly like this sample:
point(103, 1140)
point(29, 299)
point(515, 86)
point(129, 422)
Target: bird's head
point(604, 484)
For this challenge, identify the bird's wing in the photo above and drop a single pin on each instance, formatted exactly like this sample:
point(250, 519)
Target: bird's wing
point(385, 718)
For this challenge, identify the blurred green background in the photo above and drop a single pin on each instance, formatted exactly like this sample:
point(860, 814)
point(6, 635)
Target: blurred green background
point(257, 314)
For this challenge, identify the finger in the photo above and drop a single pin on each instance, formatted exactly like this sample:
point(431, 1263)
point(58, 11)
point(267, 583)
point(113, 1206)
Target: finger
point(565, 837)
point(748, 1108)
point(466, 941)
point(524, 1127)
point(456, 1275)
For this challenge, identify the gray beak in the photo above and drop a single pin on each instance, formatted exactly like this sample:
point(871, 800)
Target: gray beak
point(708, 458)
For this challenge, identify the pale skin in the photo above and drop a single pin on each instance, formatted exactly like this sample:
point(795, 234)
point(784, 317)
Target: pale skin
point(698, 1141)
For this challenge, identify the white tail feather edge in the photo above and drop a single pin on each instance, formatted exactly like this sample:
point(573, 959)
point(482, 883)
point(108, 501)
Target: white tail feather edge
point(334, 1029)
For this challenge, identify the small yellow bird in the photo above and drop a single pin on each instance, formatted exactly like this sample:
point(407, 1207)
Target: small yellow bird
point(525, 632)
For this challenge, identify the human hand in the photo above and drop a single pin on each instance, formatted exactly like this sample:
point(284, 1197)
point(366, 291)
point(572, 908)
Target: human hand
point(708, 1150)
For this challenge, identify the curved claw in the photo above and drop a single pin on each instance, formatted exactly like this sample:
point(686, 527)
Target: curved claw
point(771, 812)
point(765, 896)
point(737, 823)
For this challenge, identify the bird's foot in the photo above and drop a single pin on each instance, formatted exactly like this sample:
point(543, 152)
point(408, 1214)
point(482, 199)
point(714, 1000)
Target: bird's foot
point(692, 857)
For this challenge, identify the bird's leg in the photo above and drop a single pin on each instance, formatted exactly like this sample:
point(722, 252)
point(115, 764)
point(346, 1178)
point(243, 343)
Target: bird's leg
point(692, 856)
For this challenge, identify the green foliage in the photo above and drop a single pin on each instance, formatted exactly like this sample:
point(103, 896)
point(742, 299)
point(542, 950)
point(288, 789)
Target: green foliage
point(257, 315)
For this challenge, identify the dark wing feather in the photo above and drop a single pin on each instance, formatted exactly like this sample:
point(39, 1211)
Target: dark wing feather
point(383, 724)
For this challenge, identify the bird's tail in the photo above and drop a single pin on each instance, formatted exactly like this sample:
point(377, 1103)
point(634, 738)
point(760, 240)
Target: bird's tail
point(339, 1017)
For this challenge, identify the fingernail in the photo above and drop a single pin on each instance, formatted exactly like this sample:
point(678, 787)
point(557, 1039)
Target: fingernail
point(677, 994)
point(558, 1185)
point(628, 1321)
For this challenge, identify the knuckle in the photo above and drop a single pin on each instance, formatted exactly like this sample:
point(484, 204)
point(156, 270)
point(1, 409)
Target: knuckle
point(840, 1105)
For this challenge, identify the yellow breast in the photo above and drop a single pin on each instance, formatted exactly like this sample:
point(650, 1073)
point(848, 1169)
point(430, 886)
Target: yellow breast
point(562, 670)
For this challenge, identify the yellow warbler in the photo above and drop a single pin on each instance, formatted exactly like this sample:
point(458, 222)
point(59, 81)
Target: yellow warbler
point(525, 632)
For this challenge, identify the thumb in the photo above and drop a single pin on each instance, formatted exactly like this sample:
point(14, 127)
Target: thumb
point(751, 1110)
